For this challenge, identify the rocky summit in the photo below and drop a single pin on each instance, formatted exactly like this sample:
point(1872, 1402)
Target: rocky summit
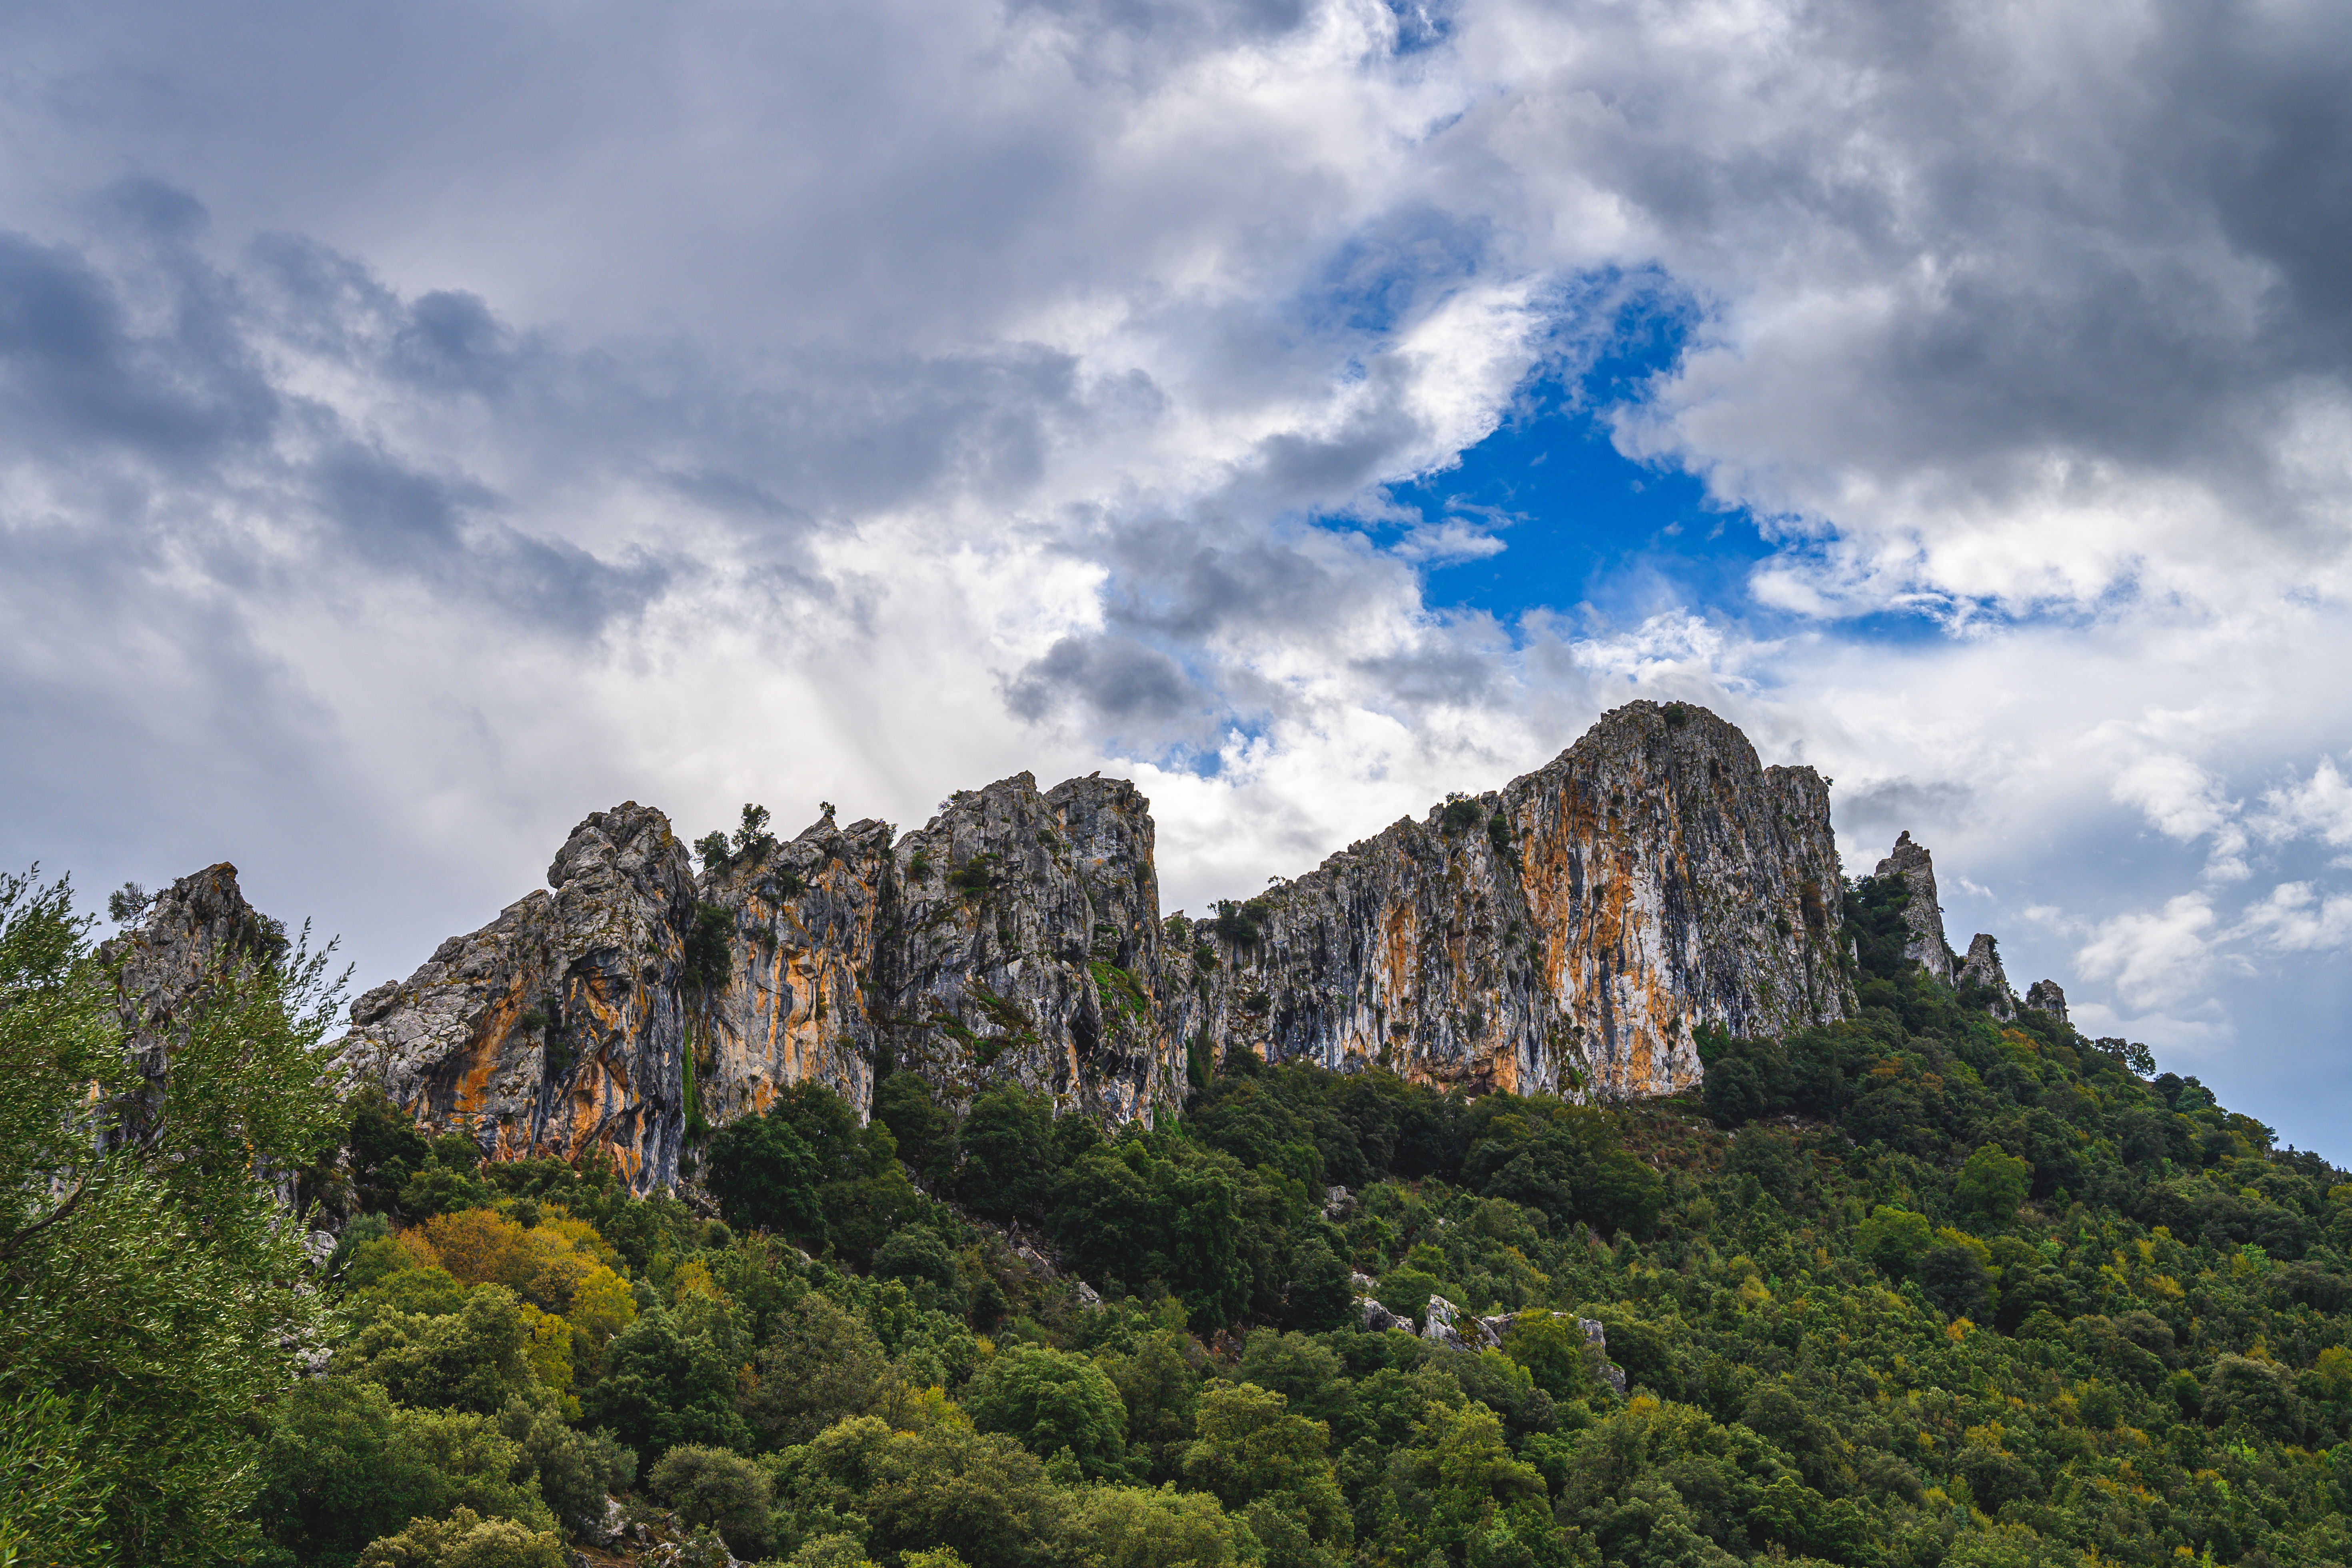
point(1573, 932)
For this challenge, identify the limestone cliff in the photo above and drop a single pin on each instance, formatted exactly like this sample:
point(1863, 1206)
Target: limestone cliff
point(1006, 941)
point(2046, 995)
point(562, 1024)
point(1572, 930)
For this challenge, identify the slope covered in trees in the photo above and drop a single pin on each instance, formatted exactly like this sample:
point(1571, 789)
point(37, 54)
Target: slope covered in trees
point(1915, 1288)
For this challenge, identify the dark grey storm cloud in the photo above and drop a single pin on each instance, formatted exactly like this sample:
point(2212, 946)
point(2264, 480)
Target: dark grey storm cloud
point(1126, 684)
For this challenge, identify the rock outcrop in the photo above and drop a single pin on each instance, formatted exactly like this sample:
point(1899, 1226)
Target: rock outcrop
point(1982, 968)
point(1573, 930)
point(1922, 914)
point(561, 1026)
point(1008, 941)
point(2045, 995)
point(193, 929)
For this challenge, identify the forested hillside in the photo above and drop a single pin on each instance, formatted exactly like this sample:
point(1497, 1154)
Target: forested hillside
point(1915, 1289)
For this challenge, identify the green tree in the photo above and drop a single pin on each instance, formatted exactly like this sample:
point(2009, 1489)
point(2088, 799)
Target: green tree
point(150, 1274)
point(341, 1465)
point(663, 1386)
point(1008, 1161)
point(466, 1539)
point(924, 1128)
point(1550, 1345)
point(477, 1358)
point(765, 1177)
point(1049, 1401)
point(1252, 1450)
point(717, 1487)
point(1132, 1527)
point(823, 1363)
point(1894, 1240)
point(1992, 1185)
point(920, 1258)
point(1322, 1295)
point(578, 1471)
point(977, 1494)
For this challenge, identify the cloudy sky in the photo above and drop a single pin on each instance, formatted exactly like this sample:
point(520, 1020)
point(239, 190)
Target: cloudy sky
point(422, 425)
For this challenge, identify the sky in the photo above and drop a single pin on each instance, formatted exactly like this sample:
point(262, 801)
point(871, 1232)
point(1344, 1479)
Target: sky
point(421, 426)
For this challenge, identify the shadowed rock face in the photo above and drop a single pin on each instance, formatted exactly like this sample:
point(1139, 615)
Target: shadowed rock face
point(1572, 930)
point(2046, 995)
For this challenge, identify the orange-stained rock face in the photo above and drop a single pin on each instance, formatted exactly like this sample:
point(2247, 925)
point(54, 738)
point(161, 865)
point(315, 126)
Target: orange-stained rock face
point(561, 1026)
point(1570, 931)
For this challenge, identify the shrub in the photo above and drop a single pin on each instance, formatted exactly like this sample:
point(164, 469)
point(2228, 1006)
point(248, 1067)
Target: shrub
point(466, 1540)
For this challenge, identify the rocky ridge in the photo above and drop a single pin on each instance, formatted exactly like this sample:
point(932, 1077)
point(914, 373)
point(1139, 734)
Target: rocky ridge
point(1573, 930)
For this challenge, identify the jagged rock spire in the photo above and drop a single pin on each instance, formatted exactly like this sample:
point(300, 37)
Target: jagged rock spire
point(1983, 968)
point(2045, 995)
point(1923, 914)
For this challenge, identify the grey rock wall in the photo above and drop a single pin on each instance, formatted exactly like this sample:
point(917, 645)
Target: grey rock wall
point(1573, 930)
point(2045, 995)
point(561, 1026)
point(195, 927)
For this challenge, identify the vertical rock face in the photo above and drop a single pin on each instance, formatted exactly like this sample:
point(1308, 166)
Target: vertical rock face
point(1573, 930)
point(1924, 915)
point(1982, 967)
point(802, 920)
point(561, 1026)
point(1024, 946)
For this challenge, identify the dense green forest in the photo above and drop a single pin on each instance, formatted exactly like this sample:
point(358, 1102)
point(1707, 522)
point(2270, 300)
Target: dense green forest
point(1919, 1288)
